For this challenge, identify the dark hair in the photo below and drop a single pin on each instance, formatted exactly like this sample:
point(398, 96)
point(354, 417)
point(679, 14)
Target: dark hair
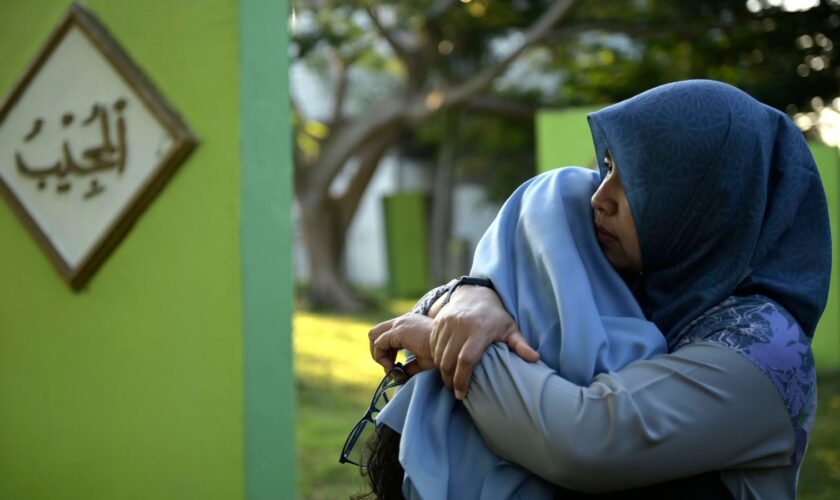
point(384, 472)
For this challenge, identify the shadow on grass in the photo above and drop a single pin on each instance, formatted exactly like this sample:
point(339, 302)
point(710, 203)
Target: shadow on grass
point(327, 410)
point(820, 474)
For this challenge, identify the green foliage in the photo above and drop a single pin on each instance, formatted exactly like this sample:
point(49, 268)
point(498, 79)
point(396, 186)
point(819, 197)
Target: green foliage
point(602, 53)
point(490, 150)
point(770, 54)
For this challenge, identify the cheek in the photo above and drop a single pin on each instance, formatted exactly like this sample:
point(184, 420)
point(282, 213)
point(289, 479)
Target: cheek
point(628, 230)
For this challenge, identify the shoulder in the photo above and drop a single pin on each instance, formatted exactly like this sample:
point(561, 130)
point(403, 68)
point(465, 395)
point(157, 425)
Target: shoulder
point(767, 335)
point(745, 323)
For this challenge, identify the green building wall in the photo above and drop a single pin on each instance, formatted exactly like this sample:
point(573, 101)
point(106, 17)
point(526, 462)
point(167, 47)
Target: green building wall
point(826, 343)
point(407, 243)
point(142, 385)
point(563, 139)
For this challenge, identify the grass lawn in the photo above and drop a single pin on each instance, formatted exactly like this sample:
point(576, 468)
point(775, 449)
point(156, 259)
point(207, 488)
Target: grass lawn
point(335, 378)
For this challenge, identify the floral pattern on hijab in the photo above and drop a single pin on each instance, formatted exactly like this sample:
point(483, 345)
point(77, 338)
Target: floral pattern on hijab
point(771, 339)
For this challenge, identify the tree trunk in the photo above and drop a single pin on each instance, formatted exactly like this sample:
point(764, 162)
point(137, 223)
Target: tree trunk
point(324, 224)
point(324, 242)
point(441, 224)
point(326, 220)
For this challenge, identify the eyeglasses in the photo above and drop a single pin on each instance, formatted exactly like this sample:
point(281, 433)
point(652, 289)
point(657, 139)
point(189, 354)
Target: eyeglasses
point(386, 391)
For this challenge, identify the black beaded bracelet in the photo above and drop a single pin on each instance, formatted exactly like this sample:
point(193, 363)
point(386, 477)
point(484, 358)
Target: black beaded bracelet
point(424, 305)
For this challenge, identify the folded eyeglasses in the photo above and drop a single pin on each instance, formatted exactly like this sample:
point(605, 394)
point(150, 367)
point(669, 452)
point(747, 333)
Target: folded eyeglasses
point(386, 390)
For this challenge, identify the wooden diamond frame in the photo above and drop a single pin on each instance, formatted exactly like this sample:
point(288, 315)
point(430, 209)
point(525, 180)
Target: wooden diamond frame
point(167, 118)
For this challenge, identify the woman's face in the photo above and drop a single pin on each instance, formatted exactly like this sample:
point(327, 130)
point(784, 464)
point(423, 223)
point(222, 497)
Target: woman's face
point(614, 222)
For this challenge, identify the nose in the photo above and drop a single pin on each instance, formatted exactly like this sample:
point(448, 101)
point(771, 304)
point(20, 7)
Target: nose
point(603, 201)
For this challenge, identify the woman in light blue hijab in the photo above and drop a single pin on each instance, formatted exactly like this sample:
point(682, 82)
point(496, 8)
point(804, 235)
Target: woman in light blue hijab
point(708, 369)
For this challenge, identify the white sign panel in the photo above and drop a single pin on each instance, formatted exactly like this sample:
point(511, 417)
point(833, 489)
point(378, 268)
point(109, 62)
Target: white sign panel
point(84, 137)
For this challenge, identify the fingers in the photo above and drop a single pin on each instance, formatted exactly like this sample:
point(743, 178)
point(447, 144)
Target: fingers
point(445, 343)
point(469, 355)
point(409, 331)
point(437, 342)
point(376, 333)
point(458, 349)
point(384, 349)
point(448, 362)
point(519, 345)
point(416, 366)
point(412, 368)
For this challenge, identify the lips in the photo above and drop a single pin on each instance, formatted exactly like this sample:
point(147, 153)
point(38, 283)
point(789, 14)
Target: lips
point(605, 236)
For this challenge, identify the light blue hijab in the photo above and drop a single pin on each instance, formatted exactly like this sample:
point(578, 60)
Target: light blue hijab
point(543, 257)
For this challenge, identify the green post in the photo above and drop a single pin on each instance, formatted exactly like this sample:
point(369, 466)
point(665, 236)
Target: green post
point(266, 250)
point(827, 338)
point(407, 243)
point(563, 138)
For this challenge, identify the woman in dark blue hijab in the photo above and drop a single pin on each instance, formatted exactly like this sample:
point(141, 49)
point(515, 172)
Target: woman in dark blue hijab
point(730, 258)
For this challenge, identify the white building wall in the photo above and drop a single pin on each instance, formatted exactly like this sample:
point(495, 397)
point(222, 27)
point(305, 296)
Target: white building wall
point(472, 215)
point(365, 258)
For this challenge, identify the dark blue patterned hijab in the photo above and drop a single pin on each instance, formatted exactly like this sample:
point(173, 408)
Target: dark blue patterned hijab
point(726, 199)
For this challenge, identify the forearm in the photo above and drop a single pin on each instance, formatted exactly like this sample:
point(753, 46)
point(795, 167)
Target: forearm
point(703, 408)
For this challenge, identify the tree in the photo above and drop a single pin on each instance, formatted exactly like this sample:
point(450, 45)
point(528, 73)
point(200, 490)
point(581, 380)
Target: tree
point(445, 61)
point(428, 85)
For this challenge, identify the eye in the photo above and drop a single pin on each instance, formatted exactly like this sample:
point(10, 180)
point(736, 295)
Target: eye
point(609, 167)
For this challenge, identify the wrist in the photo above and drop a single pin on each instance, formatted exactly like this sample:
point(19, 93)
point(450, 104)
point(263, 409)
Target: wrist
point(467, 281)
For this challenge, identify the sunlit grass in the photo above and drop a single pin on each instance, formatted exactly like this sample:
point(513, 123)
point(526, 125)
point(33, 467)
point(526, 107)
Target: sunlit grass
point(335, 378)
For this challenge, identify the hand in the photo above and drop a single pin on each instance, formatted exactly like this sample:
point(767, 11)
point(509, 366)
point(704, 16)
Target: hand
point(462, 331)
point(410, 331)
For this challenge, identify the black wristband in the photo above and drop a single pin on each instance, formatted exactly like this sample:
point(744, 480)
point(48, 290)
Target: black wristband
point(468, 280)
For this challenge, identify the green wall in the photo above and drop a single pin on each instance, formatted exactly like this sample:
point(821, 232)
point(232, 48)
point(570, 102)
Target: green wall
point(827, 337)
point(407, 243)
point(563, 138)
point(134, 387)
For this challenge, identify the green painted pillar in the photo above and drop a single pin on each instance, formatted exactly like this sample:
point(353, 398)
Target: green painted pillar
point(169, 375)
point(267, 237)
point(563, 138)
point(826, 343)
point(407, 244)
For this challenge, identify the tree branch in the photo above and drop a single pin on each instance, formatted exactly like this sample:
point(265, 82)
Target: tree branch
point(370, 157)
point(401, 52)
point(344, 143)
point(400, 111)
point(341, 69)
point(298, 155)
point(439, 9)
point(632, 30)
point(494, 105)
point(469, 88)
